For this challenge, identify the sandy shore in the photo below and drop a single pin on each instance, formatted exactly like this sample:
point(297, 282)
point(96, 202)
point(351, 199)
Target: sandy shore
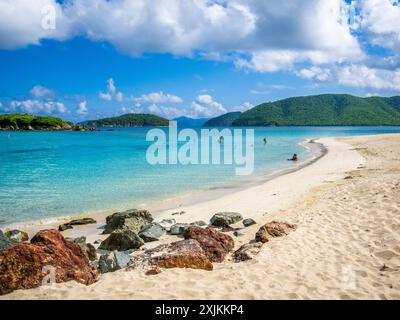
point(346, 246)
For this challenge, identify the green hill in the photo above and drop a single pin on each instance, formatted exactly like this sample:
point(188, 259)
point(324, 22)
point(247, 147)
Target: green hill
point(324, 110)
point(131, 120)
point(223, 121)
point(29, 122)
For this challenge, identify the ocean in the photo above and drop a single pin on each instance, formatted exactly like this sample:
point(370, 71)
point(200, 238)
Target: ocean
point(50, 174)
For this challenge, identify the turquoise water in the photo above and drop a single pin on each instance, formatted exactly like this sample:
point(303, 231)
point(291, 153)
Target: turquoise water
point(46, 174)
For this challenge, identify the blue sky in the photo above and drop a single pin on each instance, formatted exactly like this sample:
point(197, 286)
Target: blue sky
point(199, 60)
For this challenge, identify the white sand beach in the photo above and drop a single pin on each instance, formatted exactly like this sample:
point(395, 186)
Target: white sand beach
point(346, 207)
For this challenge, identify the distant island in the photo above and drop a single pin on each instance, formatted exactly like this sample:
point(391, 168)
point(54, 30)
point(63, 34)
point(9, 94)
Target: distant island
point(26, 122)
point(225, 120)
point(323, 110)
point(190, 122)
point(131, 120)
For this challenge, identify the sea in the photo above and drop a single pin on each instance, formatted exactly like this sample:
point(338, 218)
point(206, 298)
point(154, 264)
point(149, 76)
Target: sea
point(53, 174)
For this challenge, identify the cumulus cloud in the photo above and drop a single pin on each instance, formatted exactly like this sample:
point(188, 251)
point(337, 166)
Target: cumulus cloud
point(39, 91)
point(35, 107)
point(315, 73)
point(206, 106)
point(157, 97)
point(111, 92)
point(82, 108)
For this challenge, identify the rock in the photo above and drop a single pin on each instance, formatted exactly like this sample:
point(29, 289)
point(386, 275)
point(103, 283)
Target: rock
point(179, 229)
point(152, 232)
point(98, 241)
point(178, 213)
point(113, 261)
point(199, 223)
point(273, 229)
point(88, 248)
point(247, 251)
point(215, 244)
point(179, 254)
point(122, 240)
point(24, 266)
point(17, 235)
point(133, 220)
point(76, 222)
point(5, 242)
point(225, 218)
point(238, 234)
point(167, 223)
point(248, 222)
point(153, 271)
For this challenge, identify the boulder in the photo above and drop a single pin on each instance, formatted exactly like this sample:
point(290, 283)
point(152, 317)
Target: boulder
point(5, 242)
point(76, 222)
point(122, 240)
point(17, 235)
point(167, 223)
point(25, 265)
point(199, 223)
point(88, 248)
point(133, 220)
point(248, 222)
point(222, 219)
point(152, 232)
point(215, 244)
point(179, 229)
point(113, 261)
point(273, 229)
point(247, 251)
point(179, 254)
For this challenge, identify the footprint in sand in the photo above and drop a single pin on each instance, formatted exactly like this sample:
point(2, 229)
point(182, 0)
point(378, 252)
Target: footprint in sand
point(386, 254)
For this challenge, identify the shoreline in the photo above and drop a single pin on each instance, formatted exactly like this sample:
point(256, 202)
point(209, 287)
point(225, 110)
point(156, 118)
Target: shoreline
point(346, 244)
point(156, 207)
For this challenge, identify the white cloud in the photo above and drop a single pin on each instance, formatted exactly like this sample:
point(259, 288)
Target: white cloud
point(105, 96)
point(111, 92)
point(111, 86)
point(206, 106)
point(39, 91)
point(119, 96)
point(36, 107)
point(315, 73)
point(244, 107)
point(82, 108)
point(365, 77)
point(157, 97)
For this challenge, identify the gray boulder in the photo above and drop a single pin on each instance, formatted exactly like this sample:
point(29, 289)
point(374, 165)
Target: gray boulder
point(199, 223)
point(167, 223)
point(17, 235)
point(113, 261)
point(152, 232)
point(222, 219)
point(133, 220)
point(248, 222)
point(76, 222)
point(122, 240)
point(5, 242)
point(179, 229)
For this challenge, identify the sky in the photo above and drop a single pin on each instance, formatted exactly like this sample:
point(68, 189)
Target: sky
point(88, 59)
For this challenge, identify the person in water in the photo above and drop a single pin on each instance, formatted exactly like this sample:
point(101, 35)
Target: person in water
point(265, 140)
point(294, 157)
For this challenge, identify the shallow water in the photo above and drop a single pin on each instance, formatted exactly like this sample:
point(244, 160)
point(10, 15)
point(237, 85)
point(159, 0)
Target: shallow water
point(46, 174)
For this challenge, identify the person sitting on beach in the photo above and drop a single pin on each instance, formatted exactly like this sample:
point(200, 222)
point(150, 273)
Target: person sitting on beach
point(294, 157)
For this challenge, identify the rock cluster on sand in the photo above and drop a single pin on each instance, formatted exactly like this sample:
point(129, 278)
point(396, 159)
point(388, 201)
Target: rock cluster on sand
point(273, 229)
point(222, 219)
point(113, 261)
point(75, 222)
point(248, 222)
point(24, 265)
point(17, 235)
point(269, 230)
point(216, 245)
point(152, 232)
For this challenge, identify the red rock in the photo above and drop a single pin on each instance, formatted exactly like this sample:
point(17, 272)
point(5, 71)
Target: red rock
point(215, 244)
point(179, 254)
point(21, 267)
point(273, 229)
